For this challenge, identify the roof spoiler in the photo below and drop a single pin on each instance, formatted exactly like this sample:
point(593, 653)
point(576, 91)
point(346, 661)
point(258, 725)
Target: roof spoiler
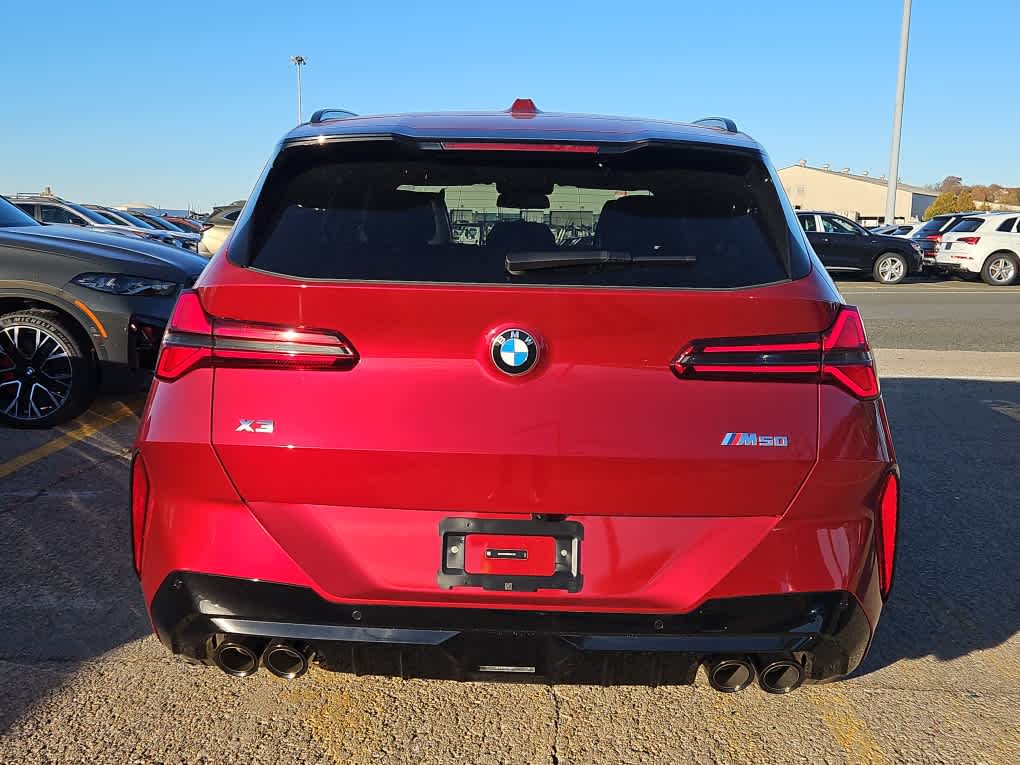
point(718, 123)
point(330, 114)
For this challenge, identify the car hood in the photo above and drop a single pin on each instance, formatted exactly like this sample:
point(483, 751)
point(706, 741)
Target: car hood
point(89, 242)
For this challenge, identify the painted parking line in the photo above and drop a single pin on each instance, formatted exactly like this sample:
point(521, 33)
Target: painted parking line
point(90, 423)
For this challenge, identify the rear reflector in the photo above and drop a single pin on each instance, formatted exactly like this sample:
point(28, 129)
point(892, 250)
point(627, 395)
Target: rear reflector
point(888, 520)
point(194, 339)
point(512, 146)
point(139, 507)
point(840, 355)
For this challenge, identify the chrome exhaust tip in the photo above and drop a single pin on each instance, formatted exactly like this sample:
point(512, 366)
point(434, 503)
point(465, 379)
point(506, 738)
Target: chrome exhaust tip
point(781, 676)
point(286, 660)
point(730, 675)
point(236, 659)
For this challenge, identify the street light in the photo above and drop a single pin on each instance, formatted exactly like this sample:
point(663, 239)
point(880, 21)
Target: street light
point(894, 159)
point(298, 62)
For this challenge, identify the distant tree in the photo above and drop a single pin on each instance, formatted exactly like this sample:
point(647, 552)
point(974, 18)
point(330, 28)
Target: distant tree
point(944, 203)
point(951, 183)
point(948, 202)
point(984, 207)
point(1010, 196)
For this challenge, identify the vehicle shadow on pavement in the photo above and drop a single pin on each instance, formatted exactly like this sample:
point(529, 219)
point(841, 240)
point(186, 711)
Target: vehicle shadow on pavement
point(68, 590)
point(954, 591)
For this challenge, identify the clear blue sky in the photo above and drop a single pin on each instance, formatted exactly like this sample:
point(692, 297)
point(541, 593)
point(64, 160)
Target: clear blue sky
point(182, 102)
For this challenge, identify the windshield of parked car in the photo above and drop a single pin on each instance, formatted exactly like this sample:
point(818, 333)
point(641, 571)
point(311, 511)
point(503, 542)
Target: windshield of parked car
point(12, 216)
point(108, 216)
point(163, 223)
point(651, 217)
point(92, 215)
point(134, 220)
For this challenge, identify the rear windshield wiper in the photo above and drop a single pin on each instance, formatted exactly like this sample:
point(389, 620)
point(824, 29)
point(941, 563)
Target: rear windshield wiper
point(519, 262)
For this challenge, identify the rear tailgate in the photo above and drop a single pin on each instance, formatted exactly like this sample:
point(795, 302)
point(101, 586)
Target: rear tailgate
point(601, 427)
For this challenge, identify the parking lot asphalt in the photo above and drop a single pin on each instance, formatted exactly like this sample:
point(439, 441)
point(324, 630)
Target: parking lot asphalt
point(81, 680)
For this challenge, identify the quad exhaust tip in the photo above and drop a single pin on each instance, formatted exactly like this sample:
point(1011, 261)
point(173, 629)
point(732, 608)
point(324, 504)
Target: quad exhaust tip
point(730, 675)
point(236, 659)
point(781, 676)
point(286, 660)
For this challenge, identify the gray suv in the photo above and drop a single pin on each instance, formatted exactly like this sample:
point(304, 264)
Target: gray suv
point(80, 311)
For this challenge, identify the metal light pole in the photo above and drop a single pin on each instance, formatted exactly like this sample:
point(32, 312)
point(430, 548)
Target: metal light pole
point(894, 159)
point(298, 62)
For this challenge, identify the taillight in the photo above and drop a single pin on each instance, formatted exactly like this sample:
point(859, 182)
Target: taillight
point(846, 355)
point(206, 227)
point(194, 339)
point(886, 525)
point(934, 237)
point(840, 355)
point(969, 239)
point(139, 507)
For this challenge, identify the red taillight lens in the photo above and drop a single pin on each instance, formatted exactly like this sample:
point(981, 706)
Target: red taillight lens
point(969, 239)
point(193, 339)
point(139, 507)
point(934, 237)
point(886, 525)
point(846, 355)
point(840, 355)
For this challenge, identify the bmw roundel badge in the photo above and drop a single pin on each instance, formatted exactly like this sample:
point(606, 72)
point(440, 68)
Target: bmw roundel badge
point(514, 351)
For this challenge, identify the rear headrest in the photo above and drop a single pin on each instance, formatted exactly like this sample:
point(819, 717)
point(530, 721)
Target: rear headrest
point(635, 223)
point(521, 235)
point(400, 218)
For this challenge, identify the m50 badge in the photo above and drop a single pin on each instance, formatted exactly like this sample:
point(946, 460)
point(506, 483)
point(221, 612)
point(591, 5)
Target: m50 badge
point(753, 439)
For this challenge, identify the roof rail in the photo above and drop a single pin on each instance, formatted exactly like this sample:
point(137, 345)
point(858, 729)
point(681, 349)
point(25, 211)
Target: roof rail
point(718, 123)
point(37, 195)
point(330, 114)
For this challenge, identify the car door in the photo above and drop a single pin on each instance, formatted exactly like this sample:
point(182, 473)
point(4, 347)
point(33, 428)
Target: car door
point(849, 246)
point(819, 242)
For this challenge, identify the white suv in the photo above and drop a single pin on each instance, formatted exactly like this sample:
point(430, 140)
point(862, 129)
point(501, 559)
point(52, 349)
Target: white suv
point(987, 244)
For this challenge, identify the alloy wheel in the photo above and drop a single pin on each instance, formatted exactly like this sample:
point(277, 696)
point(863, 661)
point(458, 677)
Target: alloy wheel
point(35, 373)
point(890, 269)
point(1001, 270)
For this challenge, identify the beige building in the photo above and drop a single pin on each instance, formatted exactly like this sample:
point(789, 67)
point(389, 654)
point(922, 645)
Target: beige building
point(858, 197)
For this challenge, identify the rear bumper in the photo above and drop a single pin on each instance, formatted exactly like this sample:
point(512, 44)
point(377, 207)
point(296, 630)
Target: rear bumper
point(827, 632)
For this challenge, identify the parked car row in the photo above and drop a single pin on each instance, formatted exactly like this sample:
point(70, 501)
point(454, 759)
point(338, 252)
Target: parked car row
point(985, 244)
point(83, 307)
point(50, 209)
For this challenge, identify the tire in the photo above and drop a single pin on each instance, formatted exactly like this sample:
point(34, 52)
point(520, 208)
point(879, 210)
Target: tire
point(46, 374)
point(890, 268)
point(1000, 269)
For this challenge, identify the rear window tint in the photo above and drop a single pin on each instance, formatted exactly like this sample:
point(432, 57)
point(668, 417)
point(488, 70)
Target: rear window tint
point(967, 224)
point(381, 212)
point(933, 226)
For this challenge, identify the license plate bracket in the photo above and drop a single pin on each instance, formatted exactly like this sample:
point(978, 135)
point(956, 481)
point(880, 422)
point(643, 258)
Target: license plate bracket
point(456, 571)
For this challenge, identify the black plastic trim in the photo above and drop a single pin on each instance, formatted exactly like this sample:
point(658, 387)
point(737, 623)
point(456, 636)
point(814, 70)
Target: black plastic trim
point(827, 632)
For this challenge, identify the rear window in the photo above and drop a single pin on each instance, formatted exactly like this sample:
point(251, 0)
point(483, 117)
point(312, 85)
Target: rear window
point(965, 225)
point(933, 226)
point(650, 217)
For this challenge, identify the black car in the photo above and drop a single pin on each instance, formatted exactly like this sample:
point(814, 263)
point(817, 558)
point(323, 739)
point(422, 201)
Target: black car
point(842, 245)
point(80, 311)
point(930, 234)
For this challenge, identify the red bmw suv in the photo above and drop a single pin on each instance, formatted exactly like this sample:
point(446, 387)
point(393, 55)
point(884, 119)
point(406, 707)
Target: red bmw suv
point(523, 394)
